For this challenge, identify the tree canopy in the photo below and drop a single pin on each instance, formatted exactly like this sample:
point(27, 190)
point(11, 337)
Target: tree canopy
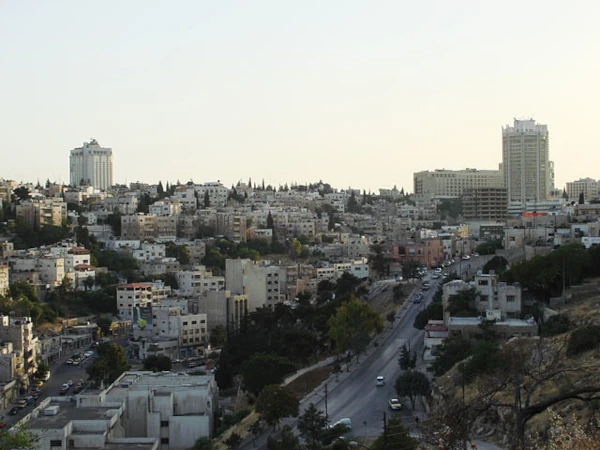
point(275, 403)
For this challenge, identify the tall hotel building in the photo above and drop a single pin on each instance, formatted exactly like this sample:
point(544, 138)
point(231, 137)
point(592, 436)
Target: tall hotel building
point(528, 173)
point(454, 183)
point(91, 165)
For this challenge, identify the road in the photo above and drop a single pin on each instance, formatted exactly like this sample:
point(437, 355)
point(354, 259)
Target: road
point(356, 396)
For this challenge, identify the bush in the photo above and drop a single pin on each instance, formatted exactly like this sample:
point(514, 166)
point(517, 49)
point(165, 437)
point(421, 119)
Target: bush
point(557, 324)
point(583, 339)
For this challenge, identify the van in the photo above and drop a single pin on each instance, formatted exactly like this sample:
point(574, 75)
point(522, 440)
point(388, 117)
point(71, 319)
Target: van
point(21, 403)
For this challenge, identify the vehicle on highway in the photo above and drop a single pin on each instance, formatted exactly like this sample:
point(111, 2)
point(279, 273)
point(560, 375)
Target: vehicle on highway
point(70, 383)
point(69, 361)
point(435, 276)
point(14, 411)
point(426, 286)
point(380, 381)
point(346, 422)
point(395, 404)
point(64, 389)
point(21, 403)
point(476, 254)
point(466, 257)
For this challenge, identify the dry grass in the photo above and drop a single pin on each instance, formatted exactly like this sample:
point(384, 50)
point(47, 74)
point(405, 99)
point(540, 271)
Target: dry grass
point(307, 382)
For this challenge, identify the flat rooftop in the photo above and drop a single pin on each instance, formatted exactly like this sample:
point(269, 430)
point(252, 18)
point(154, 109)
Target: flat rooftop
point(128, 446)
point(67, 412)
point(170, 381)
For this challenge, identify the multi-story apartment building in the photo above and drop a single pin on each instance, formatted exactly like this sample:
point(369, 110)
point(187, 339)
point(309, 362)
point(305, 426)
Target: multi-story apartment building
point(453, 183)
point(485, 203)
point(133, 295)
point(166, 207)
point(139, 227)
point(232, 226)
point(50, 268)
point(587, 186)
point(19, 331)
point(76, 256)
point(528, 172)
point(262, 283)
point(91, 165)
point(126, 204)
point(40, 212)
point(150, 251)
point(217, 193)
point(198, 281)
point(4, 283)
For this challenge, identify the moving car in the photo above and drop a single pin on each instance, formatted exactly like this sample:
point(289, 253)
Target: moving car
point(395, 404)
point(345, 422)
point(380, 381)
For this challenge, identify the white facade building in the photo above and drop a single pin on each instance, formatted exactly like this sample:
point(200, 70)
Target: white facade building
point(91, 165)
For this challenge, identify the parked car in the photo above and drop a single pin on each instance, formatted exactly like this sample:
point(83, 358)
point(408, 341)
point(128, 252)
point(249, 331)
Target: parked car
point(395, 404)
point(346, 422)
point(14, 411)
point(380, 381)
point(69, 361)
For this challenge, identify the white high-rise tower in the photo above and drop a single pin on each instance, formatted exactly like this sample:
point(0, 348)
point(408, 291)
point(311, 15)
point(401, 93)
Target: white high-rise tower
point(91, 165)
point(528, 173)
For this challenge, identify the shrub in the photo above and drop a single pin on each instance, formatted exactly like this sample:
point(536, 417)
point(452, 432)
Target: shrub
point(583, 339)
point(557, 324)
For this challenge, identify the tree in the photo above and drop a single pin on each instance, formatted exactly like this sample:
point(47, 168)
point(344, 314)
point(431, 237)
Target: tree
point(408, 359)
point(462, 303)
point(311, 424)
point(18, 437)
point(581, 200)
point(275, 403)
point(104, 323)
point(270, 221)
point(411, 384)
point(377, 260)
point(157, 363)
point(204, 443)
point(217, 336)
point(256, 430)
point(206, 200)
point(42, 371)
point(234, 441)
point(108, 365)
point(397, 437)
point(263, 369)
point(354, 318)
point(21, 193)
point(452, 351)
point(287, 440)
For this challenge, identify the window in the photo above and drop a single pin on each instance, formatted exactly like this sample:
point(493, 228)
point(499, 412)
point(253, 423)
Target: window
point(483, 282)
point(164, 423)
point(194, 322)
point(57, 443)
point(164, 440)
point(510, 298)
point(184, 324)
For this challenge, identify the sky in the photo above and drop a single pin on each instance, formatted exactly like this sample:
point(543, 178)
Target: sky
point(357, 94)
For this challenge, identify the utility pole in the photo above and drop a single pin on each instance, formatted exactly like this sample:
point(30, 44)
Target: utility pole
point(385, 441)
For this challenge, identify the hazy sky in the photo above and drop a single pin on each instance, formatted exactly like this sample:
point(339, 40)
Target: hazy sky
point(355, 93)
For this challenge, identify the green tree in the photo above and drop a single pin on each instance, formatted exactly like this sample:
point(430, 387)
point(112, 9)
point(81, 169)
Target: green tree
point(275, 403)
point(21, 193)
point(397, 437)
point(411, 384)
point(377, 260)
point(217, 336)
point(462, 303)
point(352, 205)
point(408, 359)
point(114, 221)
point(311, 424)
point(204, 443)
point(42, 371)
point(20, 289)
point(452, 351)
point(263, 369)
point(108, 365)
point(206, 200)
point(234, 441)
point(18, 437)
point(354, 318)
point(498, 264)
point(104, 323)
point(295, 247)
point(157, 363)
point(287, 440)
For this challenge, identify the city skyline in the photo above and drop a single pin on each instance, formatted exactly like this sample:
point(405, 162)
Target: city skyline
point(355, 95)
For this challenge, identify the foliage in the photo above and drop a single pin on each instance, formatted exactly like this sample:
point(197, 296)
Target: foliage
point(398, 437)
point(569, 435)
point(42, 371)
point(497, 263)
point(114, 221)
point(410, 269)
point(351, 320)
point(18, 437)
point(490, 247)
point(452, 351)
point(557, 324)
point(29, 238)
point(204, 443)
point(275, 403)
point(311, 424)
point(411, 384)
point(180, 252)
point(377, 260)
point(230, 420)
point(263, 369)
point(234, 441)
point(287, 440)
point(583, 339)
point(450, 208)
point(433, 311)
point(461, 303)
point(104, 323)
point(408, 359)
point(217, 336)
point(157, 363)
point(109, 364)
point(484, 359)
point(19, 289)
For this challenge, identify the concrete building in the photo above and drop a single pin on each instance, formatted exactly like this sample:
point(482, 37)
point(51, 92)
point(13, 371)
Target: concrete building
point(133, 295)
point(175, 408)
point(19, 331)
point(4, 284)
point(37, 213)
point(260, 282)
point(485, 203)
point(139, 227)
point(91, 165)
point(528, 172)
point(232, 226)
point(453, 183)
point(587, 186)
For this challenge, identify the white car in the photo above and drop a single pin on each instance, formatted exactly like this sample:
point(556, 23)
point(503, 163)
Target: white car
point(380, 381)
point(345, 422)
point(395, 404)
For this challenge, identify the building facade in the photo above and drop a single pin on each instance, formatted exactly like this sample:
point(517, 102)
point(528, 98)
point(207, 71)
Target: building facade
point(91, 165)
point(528, 172)
point(587, 186)
point(484, 203)
point(453, 183)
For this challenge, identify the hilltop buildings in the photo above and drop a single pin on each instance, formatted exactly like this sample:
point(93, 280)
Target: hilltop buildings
point(91, 165)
